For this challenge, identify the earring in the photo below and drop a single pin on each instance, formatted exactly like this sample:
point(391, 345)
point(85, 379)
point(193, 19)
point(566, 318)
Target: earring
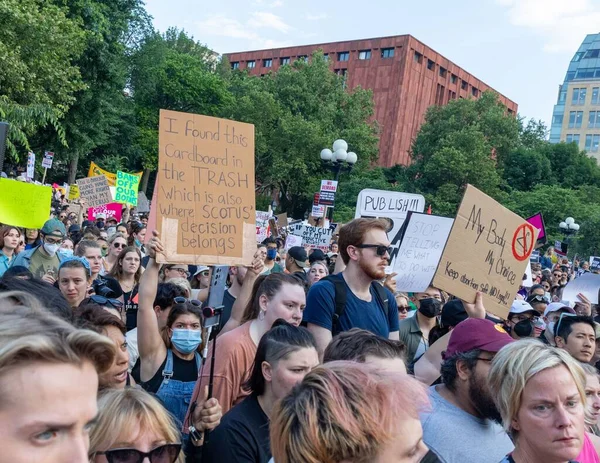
point(261, 315)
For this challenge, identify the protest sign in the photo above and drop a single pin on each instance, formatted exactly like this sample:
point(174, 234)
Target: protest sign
point(152, 215)
point(127, 188)
point(282, 220)
point(111, 177)
point(143, 205)
point(537, 221)
point(109, 210)
point(73, 192)
point(30, 165)
point(313, 237)
point(262, 226)
point(329, 185)
point(586, 284)
point(488, 249)
point(94, 190)
point(420, 250)
point(205, 202)
point(292, 240)
point(560, 248)
point(273, 227)
point(318, 211)
point(394, 206)
point(594, 263)
point(528, 280)
point(24, 204)
point(47, 161)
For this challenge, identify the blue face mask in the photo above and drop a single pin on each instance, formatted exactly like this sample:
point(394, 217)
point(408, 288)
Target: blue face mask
point(271, 254)
point(138, 243)
point(186, 341)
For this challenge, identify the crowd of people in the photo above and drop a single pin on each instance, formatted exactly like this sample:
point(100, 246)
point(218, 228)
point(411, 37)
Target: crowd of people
point(317, 357)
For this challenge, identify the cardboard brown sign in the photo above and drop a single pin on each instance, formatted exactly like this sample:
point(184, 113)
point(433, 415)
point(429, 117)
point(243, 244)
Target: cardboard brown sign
point(205, 201)
point(488, 250)
point(94, 190)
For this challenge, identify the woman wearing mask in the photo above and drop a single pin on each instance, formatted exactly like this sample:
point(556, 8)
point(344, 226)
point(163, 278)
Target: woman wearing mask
point(74, 280)
point(317, 271)
point(169, 360)
point(127, 272)
point(116, 243)
point(521, 320)
point(32, 238)
point(10, 243)
point(67, 247)
point(273, 297)
point(133, 416)
point(137, 235)
point(284, 356)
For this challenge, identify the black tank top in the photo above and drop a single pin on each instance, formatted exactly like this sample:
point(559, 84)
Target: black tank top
point(183, 370)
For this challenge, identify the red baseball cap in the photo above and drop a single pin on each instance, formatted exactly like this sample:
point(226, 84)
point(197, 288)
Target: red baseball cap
point(476, 333)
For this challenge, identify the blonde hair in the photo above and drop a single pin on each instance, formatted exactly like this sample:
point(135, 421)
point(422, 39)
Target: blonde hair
point(589, 371)
point(516, 364)
point(183, 284)
point(120, 411)
point(343, 411)
point(30, 335)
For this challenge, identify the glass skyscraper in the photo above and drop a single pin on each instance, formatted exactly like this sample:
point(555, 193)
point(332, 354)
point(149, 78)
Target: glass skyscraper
point(576, 116)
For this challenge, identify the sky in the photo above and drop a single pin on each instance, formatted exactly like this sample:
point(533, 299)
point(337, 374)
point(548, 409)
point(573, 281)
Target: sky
point(521, 48)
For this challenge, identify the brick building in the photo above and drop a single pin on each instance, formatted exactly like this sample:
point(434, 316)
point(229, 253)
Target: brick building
point(406, 77)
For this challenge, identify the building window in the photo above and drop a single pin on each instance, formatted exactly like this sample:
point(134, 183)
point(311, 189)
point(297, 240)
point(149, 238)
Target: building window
point(474, 91)
point(578, 56)
point(572, 138)
point(590, 54)
point(557, 119)
point(579, 95)
point(235, 65)
point(326, 57)
point(451, 95)
point(562, 96)
point(251, 64)
point(364, 54)
point(575, 118)
point(387, 52)
point(303, 58)
point(267, 63)
point(283, 61)
point(594, 120)
point(510, 112)
point(595, 99)
point(443, 72)
point(464, 85)
point(570, 76)
point(418, 57)
point(591, 143)
point(585, 73)
point(344, 56)
point(430, 65)
point(340, 72)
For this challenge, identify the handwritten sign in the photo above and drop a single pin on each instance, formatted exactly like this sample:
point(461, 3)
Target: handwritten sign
point(488, 249)
point(262, 226)
point(94, 190)
point(73, 192)
point(291, 241)
point(127, 188)
point(24, 204)
point(394, 206)
point(313, 237)
point(587, 284)
point(109, 210)
point(111, 177)
point(206, 190)
point(420, 251)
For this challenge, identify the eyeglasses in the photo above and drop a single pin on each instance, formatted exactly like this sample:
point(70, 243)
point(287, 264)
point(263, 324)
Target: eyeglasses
point(117, 304)
point(380, 249)
point(119, 245)
point(181, 271)
point(484, 359)
point(403, 308)
point(167, 453)
point(53, 240)
point(524, 317)
point(183, 300)
point(562, 315)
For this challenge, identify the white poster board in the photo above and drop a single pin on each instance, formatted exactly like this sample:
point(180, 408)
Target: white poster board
point(292, 240)
point(420, 251)
point(587, 284)
point(528, 281)
point(314, 237)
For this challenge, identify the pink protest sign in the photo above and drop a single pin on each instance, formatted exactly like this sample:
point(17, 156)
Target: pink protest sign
point(538, 222)
point(109, 210)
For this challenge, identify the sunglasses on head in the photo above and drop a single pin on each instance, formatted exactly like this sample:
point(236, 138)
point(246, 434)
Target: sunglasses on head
point(380, 249)
point(167, 453)
point(562, 315)
point(117, 304)
point(183, 300)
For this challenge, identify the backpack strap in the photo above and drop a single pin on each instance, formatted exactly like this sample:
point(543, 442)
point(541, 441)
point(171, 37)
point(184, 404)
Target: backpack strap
point(382, 297)
point(340, 301)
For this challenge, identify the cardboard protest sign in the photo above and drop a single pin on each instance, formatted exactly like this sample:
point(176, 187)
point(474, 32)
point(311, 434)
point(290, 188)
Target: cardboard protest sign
point(109, 210)
point(24, 204)
point(586, 284)
point(205, 201)
point(488, 249)
point(262, 226)
point(94, 190)
point(292, 240)
point(282, 220)
point(313, 237)
point(143, 205)
point(420, 250)
point(73, 192)
point(594, 263)
point(394, 206)
point(537, 221)
point(127, 188)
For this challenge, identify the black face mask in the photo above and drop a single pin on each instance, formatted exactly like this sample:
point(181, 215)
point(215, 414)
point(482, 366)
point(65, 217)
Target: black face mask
point(431, 457)
point(523, 329)
point(430, 307)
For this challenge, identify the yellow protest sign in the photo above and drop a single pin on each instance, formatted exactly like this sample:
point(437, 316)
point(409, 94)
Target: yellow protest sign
point(205, 200)
point(24, 204)
point(127, 188)
point(487, 250)
point(73, 192)
point(111, 177)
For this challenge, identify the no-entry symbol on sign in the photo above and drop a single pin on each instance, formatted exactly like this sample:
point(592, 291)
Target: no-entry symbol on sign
point(523, 242)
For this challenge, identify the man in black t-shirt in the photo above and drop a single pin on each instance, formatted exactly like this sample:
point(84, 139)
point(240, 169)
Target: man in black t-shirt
point(296, 262)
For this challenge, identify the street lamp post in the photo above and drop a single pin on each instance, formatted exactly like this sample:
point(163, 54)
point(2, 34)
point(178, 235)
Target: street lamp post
point(569, 228)
point(338, 160)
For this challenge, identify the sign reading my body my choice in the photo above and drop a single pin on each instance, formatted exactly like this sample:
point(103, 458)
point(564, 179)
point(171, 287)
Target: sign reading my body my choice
point(205, 200)
point(487, 250)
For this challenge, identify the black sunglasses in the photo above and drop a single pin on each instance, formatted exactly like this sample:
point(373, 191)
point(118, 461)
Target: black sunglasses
point(537, 298)
point(117, 304)
point(183, 300)
point(403, 308)
point(167, 453)
point(119, 245)
point(380, 249)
